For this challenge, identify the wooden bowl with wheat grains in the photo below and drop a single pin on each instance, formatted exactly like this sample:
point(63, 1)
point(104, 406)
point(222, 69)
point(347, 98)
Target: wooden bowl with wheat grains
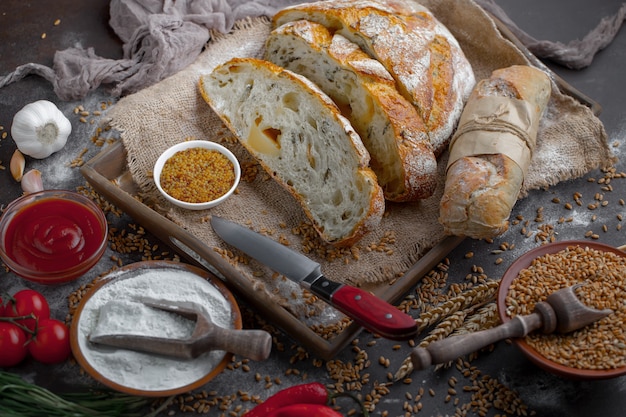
point(597, 351)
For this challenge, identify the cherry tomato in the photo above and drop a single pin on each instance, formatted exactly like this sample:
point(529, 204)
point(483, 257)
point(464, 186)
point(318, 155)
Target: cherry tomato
point(25, 302)
point(51, 341)
point(12, 344)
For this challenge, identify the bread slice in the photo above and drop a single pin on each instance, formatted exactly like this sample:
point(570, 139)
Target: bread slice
point(390, 127)
point(421, 54)
point(301, 139)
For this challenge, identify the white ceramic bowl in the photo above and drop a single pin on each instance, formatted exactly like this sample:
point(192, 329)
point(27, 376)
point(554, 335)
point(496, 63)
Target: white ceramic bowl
point(158, 167)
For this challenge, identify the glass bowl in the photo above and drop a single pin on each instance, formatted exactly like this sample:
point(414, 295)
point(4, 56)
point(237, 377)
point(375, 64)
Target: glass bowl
point(158, 169)
point(52, 236)
point(529, 351)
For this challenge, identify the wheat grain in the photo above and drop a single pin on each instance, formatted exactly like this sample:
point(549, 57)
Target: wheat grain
point(477, 294)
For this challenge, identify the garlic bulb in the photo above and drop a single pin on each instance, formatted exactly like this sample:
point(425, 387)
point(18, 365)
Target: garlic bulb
point(40, 129)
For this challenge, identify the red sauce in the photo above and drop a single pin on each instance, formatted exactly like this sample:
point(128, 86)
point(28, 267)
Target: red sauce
point(52, 235)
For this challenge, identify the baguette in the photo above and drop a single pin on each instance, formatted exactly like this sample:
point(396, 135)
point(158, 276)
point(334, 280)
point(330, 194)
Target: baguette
point(424, 58)
point(390, 127)
point(491, 151)
point(300, 138)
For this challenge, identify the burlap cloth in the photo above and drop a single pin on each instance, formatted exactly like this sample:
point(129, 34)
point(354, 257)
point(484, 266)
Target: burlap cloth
point(571, 142)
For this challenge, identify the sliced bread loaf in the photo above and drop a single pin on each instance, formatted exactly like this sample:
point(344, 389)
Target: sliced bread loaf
point(390, 127)
point(421, 54)
point(301, 139)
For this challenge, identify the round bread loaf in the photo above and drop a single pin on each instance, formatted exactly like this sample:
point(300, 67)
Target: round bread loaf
point(421, 54)
point(389, 126)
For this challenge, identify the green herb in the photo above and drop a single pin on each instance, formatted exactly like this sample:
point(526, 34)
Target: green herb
point(19, 398)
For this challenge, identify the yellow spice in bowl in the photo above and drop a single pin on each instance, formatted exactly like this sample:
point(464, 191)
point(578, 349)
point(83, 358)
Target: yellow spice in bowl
point(197, 175)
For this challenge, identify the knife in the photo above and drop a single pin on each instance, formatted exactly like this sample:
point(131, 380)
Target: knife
point(363, 307)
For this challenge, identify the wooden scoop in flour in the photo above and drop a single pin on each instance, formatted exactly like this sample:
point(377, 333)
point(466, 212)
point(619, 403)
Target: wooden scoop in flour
point(562, 312)
point(206, 336)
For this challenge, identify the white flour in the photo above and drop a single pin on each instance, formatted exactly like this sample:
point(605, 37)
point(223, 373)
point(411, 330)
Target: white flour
point(139, 370)
point(135, 318)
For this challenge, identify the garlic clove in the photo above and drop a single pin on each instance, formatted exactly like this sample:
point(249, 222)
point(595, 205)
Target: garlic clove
point(17, 165)
point(32, 182)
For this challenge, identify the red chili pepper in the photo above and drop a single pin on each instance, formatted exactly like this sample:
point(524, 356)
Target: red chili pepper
point(308, 410)
point(310, 393)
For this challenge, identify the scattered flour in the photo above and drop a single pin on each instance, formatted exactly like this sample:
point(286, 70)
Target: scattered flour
point(138, 370)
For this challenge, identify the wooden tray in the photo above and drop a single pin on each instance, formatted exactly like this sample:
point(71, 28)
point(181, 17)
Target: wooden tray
point(108, 174)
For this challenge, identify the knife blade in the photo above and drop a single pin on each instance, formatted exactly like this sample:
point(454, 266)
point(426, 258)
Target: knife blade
point(369, 311)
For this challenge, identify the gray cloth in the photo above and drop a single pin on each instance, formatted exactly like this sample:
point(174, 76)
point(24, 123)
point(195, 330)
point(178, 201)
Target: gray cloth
point(576, 54)
point(161, 37)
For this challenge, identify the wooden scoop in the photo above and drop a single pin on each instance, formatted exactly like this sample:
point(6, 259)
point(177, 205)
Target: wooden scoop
point(562, 312)
point(206, 336)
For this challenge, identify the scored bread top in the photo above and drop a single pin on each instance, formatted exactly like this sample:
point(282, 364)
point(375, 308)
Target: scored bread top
point(299, 136)
point(390, 127)
point(420, 53)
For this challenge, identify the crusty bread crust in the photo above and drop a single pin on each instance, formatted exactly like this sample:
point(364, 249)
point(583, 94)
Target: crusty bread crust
point(480, 193)
point(481, 190)
point(390, 127)
point(300, 138)
point(425, 59)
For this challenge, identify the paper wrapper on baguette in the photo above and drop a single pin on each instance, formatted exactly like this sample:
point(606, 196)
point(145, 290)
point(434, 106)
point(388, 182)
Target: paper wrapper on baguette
point(491, 151)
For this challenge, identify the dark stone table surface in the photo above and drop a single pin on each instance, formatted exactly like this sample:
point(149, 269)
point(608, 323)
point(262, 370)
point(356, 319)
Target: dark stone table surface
point(22, 24)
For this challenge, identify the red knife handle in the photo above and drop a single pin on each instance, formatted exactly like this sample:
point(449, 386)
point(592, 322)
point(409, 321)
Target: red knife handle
point(373, 313)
